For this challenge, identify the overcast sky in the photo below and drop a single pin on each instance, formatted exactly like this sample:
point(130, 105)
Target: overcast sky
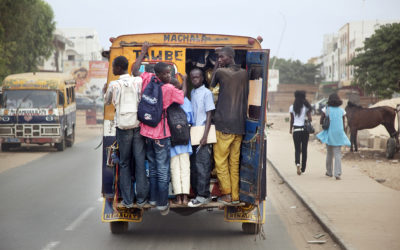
point(306, 20)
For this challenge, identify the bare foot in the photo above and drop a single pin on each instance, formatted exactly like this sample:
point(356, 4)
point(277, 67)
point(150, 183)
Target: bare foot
point(185, 199)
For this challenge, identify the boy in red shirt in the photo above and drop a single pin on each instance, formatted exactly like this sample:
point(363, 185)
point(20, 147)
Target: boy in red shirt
point(158, 142)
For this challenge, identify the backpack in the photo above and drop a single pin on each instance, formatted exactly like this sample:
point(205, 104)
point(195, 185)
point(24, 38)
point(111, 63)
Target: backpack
point(128, 102)
point(150, 107)
point(178, 125)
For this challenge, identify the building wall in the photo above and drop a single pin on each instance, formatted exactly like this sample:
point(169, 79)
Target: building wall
point(339, 49)
point(86, 44)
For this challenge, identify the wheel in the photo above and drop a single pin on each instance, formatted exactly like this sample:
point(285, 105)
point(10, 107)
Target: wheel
point(251, 228)
point(390, 148)
point(118, 227)
point(5, 147)
point(71, 138)
point(61, 146)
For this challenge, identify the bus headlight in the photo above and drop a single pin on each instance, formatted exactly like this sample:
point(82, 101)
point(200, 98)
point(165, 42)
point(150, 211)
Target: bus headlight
point(5, 118)
point(49, 118)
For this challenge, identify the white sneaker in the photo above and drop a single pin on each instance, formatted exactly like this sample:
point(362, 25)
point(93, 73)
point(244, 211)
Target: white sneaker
point(165, 211)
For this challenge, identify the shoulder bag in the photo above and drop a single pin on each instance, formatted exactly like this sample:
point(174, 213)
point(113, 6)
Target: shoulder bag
point(326, 121)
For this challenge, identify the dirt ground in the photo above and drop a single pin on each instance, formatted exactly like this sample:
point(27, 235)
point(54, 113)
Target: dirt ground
point(27, 153)
point(370, 162)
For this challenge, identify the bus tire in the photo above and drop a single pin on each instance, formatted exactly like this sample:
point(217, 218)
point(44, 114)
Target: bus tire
point(390, 148)
point(251, 228)
point(71, 138)
point(61, 146)
point(5, 147)
point(118, 227)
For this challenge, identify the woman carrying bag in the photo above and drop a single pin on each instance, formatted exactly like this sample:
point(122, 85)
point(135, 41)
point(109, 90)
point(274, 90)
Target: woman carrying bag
point(300, 111)
point(334, 136)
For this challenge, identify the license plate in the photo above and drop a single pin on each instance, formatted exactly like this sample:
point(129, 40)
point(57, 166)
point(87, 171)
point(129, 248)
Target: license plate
point(12, 140)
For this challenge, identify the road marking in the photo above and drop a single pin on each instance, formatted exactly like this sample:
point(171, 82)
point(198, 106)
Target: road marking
point(51, 245)
point(78, 220)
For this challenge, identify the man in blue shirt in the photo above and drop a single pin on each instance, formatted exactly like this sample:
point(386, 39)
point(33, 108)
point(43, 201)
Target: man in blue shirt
point(203, 105)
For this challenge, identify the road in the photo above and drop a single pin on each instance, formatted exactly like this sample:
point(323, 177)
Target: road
point(54, 203)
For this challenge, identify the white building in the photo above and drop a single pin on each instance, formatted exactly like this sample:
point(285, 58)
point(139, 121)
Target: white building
point(339, 49)
point(56, 61)
point(86, 45)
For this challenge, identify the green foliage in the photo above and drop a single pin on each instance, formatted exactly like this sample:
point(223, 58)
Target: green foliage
point(26, 35)
point(377, 64)
point(295, 72)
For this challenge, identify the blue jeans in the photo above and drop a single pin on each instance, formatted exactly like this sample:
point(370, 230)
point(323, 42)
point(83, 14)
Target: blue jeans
point(132, 154)
point(158, 156)
point(200, 170)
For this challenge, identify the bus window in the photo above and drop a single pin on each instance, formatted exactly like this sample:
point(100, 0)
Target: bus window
point(61, 100)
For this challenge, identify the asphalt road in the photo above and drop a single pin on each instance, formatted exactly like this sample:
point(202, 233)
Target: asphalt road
point(54, 203)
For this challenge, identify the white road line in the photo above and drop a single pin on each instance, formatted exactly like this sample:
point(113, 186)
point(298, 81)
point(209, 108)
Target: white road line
point(51, 245)
point(78, 220)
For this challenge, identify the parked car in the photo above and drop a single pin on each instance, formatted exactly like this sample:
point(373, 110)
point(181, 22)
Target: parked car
point(318, 106)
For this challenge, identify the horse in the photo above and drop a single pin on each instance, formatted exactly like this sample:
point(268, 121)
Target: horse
point(359, 118)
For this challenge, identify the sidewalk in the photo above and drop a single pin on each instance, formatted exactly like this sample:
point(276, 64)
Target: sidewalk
point(357, 211)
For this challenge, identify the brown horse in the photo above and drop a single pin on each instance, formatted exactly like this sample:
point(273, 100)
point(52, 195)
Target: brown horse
point(359, 118)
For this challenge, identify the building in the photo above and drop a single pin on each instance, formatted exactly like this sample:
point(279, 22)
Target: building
point(340, 48)
point(55, 62)
point(86, 45)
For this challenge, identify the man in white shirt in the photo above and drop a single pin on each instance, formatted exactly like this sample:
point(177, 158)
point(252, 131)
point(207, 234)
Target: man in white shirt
point(124, 94)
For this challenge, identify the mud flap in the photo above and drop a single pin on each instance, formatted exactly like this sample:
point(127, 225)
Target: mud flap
point(124, 214)
point(249, 213)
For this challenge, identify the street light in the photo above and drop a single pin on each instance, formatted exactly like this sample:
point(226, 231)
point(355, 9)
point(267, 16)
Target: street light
point(280, 39)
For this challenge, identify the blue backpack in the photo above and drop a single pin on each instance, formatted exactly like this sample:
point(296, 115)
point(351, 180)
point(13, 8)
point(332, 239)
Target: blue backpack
point(150, 107)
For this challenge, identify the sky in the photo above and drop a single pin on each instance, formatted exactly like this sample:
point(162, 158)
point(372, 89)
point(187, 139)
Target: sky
point(292, 29)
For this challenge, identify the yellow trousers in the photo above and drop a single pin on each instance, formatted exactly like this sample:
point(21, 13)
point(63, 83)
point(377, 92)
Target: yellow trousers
point(226, 157)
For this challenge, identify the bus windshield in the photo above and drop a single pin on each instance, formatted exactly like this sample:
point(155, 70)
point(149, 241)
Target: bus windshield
point(29, 99)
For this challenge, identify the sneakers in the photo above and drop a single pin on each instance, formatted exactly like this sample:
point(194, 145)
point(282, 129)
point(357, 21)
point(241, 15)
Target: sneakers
point(123, 205)
point(153, 203)
point(141, 204)
point(338, 178)
point(329, 175)
point(198, 201)
point(165, 211)
point(298, 169)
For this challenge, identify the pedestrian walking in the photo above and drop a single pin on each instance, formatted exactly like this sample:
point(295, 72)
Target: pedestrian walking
point(334, 137)
point(299, 112)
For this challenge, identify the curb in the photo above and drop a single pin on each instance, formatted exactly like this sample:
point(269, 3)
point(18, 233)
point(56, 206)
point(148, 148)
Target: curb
point(322, 219)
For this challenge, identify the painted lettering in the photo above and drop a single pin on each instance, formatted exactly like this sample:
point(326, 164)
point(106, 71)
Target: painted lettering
point(156, 57)
point(168, 55)
point(166, 37)
point(178, 54)
point(173, 38)
point(137, 52)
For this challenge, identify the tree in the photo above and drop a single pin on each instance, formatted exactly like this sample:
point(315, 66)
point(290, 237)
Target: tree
point(295, 72)
point(377, 64)
point(26, 35)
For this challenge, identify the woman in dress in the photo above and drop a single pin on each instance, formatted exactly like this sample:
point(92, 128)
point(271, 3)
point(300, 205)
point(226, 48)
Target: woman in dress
point(299, 112)
point(334, 137)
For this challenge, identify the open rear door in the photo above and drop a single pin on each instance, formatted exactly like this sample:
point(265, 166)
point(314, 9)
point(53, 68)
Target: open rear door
point(253, 151)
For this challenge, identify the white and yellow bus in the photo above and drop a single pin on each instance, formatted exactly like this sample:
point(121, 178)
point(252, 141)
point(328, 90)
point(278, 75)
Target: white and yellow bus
point(185, 51)
point(38, 108)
